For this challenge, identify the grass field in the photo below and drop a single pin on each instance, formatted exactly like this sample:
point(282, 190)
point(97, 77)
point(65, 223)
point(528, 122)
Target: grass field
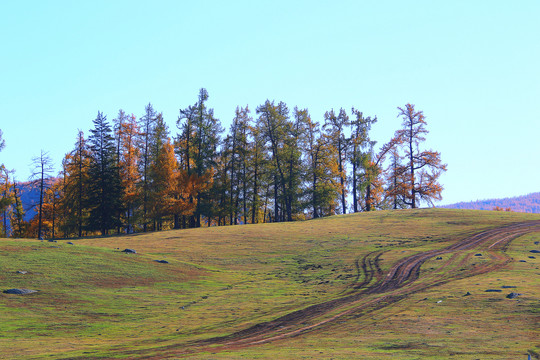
point(94, 301)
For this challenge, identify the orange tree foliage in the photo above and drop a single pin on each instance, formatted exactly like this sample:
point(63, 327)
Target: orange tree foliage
point(174, 191)
point(277, 167)
point(52, 208)
point(187, 187)
point(497, 208)
point(396, 186)
point(164, 172)
point(128, 133)
point(51, 212)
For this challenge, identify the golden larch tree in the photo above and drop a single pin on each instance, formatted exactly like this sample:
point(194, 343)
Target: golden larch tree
point(423, 167)
point(128, 133)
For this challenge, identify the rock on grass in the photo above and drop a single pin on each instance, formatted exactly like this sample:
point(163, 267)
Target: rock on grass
point(19, 291)
point(129, 251)
point(512, 295)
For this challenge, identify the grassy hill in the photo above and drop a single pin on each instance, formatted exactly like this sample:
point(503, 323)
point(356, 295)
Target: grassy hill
point(315, 289)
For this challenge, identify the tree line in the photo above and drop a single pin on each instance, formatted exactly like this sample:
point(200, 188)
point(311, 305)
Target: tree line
point(274, 164)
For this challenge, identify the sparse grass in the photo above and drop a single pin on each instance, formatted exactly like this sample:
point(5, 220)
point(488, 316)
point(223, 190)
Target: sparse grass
point(95, 301)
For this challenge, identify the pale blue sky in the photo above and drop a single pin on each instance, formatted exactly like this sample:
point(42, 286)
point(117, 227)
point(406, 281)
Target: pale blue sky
point(473, 67)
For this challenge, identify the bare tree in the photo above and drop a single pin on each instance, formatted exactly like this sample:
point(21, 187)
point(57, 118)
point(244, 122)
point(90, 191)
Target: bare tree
point(41, 176)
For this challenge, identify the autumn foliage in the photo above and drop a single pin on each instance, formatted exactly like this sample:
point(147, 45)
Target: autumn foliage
point(275, 164)
point(419, 174)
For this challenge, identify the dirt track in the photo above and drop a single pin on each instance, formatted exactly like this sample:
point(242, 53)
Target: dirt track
point(378, 290)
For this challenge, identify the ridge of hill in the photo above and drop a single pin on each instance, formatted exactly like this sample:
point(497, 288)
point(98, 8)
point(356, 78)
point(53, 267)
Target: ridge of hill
point(529, 203)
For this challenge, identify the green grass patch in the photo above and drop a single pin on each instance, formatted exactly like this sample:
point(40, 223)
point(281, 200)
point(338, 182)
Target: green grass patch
point(95, 301)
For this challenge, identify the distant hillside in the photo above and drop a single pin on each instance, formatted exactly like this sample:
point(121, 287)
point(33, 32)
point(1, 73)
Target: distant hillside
point(29, 196)
point(29, 199)
point(527, 203)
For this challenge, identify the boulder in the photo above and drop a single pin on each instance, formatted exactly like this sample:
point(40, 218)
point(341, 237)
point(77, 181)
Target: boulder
point(70, 243)
point(535, 251)
point(162, 261)
point(129, 251)
point(512, 295)
point(19, 291)
point(22, 272)
point(493, 290)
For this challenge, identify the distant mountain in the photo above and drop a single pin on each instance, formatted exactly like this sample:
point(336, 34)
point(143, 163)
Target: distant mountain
point(29, 198)
point(527, 203)
point(29, 195)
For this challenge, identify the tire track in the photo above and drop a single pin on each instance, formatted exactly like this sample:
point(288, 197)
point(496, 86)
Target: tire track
point(367, 268)
point(398, 283)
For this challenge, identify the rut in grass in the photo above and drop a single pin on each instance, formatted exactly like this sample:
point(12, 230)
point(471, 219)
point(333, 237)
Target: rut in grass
point(397, 283)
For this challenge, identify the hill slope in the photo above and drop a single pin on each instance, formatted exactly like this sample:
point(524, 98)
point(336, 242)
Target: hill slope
point(529, 203)
point(356, 286)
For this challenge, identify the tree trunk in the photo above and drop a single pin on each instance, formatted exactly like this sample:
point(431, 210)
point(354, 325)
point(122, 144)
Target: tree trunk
point(341, 179)
point(368, 197)
point(41, 185)
point(255, 203)
point(79, 205)
point(198, 217)
point(354, 180)
point(314, 198)
point(53, 215)
point(276, 200)
point(413, 190)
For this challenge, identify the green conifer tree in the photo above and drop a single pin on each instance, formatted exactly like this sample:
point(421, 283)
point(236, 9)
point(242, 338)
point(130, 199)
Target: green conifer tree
point(105, 190)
